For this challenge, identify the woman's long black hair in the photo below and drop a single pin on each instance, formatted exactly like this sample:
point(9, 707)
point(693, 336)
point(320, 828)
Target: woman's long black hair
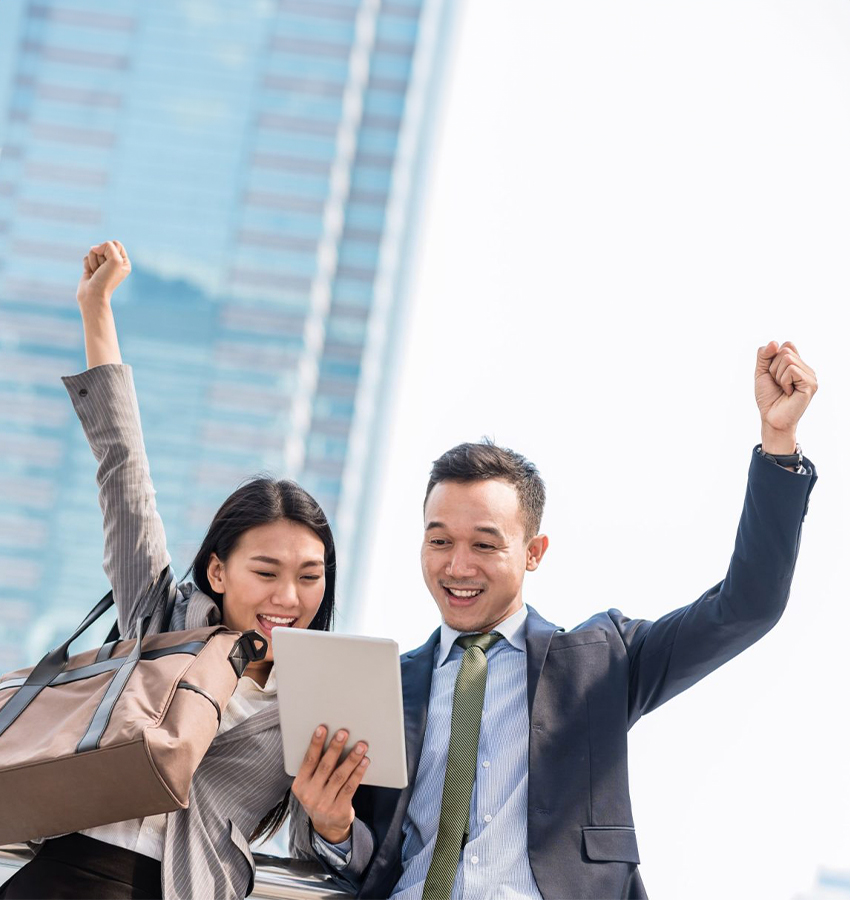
point(258, 502)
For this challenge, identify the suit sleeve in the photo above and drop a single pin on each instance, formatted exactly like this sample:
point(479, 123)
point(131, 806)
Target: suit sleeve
point(669, 655)
point(347, 864)
point(135, 554)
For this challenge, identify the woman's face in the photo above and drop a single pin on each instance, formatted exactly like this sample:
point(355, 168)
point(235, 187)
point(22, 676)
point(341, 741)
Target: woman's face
point(274, 576)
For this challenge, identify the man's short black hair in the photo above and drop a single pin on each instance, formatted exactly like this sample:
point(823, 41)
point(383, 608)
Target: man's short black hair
point(482, 460)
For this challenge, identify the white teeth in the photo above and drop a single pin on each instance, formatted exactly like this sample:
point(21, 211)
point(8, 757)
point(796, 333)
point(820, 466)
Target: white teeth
point(277, 620)
point(463, 595)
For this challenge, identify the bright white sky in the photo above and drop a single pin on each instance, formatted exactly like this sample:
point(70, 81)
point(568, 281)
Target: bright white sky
point(626, 200)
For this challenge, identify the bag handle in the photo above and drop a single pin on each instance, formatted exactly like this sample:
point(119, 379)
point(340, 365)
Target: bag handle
point(54, 662)
point(114, 635)
point(100, 719)
point(50, 665)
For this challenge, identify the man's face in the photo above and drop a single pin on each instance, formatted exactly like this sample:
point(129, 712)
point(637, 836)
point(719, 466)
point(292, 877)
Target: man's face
point(475, 553)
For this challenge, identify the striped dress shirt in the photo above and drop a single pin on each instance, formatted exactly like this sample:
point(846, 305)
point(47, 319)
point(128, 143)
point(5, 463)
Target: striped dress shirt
point(494, 863)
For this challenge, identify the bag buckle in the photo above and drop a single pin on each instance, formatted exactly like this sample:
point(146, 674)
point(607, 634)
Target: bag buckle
point(245, 651)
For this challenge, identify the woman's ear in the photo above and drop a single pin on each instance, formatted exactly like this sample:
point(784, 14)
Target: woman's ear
point(215, 574)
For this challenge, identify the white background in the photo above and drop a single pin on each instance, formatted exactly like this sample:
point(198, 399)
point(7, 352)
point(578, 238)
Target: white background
point(626, 200)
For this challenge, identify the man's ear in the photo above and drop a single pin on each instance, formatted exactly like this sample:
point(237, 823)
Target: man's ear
point(215, 574)
point(537, 546)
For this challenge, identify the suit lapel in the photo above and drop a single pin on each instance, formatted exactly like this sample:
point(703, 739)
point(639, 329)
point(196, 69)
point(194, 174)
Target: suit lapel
point(417, 672)
point(538, 636)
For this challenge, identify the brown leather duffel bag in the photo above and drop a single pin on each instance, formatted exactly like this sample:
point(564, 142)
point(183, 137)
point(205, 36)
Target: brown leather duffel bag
point(114, 733)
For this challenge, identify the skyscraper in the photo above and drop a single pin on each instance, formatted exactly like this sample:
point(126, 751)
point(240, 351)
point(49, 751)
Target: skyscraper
point(260, 162)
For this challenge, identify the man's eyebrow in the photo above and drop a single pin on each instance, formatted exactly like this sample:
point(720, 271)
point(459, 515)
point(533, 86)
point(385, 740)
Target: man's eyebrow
point(484, 529)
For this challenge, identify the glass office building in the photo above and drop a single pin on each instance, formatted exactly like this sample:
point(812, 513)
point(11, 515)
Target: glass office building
point(261, 162)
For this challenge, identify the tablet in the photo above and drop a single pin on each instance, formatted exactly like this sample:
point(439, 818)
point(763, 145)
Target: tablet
point(341, 681)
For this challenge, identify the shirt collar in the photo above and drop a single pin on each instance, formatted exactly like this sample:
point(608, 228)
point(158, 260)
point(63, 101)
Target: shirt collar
point(513, 630)
point(270, 687)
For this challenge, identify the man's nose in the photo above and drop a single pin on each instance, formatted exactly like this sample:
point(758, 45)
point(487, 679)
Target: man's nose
point(461, 565)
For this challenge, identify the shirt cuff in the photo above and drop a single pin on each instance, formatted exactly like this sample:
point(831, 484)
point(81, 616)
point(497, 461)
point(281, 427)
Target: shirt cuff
point(337, 855)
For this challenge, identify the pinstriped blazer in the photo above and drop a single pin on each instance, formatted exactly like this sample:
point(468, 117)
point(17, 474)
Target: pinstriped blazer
point(241, 778)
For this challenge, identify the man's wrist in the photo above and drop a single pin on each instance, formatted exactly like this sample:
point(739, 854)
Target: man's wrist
point(778, 443)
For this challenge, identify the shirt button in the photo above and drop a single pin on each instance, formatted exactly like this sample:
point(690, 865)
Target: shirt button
point(474, 860)
point(486, 764)
point(488, 818)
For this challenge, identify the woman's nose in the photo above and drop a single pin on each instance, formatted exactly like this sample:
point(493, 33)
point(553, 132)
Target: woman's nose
point(284, 595)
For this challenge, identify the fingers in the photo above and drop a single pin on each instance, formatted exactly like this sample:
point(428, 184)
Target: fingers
point(764, 357)
point(331, 756)
point(324, 786)
point(788, 357)
point(344, 780)
point(313, 754)
point(111, 252)
point(353, 782)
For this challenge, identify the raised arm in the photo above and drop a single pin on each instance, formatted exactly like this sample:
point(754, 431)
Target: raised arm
point(676, 651)
point(105, 402)
point(104, 268)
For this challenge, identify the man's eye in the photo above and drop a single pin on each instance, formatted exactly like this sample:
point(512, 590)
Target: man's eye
point(485, 547)
point(438, 542)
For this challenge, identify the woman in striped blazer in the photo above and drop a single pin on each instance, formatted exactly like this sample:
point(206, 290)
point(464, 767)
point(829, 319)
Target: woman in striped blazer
point(267, 560)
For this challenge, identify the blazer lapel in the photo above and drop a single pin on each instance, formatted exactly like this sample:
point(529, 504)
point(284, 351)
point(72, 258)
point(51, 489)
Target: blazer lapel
point(417, 672)
point(538, 636)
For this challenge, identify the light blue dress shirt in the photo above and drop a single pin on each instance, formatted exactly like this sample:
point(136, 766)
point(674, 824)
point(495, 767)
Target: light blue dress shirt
point(494, 863)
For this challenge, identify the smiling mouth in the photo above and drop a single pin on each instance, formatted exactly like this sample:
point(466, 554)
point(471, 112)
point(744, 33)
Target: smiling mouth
point(462, 594)
point(269, 622)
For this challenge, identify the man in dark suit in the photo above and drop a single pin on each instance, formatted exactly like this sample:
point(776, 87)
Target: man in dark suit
point(530, 798)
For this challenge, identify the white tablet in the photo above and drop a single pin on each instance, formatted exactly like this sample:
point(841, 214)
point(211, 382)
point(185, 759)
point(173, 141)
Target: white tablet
point(341, 681)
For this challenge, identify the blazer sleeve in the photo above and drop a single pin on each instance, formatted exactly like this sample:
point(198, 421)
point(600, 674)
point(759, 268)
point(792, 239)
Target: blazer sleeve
point(135, 554)
point(669, 655)
point(347, 870)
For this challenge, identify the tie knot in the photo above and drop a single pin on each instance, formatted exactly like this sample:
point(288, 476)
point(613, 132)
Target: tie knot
point(484, 641)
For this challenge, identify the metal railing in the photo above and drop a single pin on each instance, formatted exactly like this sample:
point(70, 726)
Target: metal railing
point(276, 878)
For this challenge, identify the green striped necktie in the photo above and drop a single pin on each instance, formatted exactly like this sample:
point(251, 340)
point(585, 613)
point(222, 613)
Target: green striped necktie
point(460, 767)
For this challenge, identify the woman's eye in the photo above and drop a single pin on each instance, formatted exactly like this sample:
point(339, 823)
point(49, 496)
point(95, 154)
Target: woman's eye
point(266, 574)
point(311, 577)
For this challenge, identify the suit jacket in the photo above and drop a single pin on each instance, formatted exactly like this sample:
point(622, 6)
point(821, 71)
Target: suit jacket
point(205, 851)
point(586, 688)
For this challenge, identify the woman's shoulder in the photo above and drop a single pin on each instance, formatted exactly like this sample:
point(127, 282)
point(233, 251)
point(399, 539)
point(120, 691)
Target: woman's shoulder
point(193, 609)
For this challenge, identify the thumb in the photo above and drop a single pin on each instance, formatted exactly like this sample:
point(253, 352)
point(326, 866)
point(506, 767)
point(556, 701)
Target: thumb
point(111, 252)
point(764, 357)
